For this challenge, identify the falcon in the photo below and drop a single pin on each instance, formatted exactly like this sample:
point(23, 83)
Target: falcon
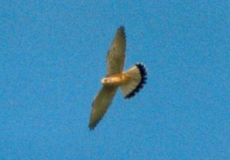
point(130, 82)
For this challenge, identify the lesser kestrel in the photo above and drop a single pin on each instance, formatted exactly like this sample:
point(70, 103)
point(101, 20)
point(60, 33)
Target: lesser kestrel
point(130, 81)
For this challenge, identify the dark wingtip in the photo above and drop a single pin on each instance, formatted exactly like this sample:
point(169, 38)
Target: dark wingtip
point(91, 128)
point(143, 72)
point(121, 28)
point(93, 125)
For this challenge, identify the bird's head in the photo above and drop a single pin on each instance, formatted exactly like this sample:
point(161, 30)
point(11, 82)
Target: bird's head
point(106, 81)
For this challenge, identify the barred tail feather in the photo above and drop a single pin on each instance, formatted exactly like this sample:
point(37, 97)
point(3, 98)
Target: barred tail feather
point(138, 77)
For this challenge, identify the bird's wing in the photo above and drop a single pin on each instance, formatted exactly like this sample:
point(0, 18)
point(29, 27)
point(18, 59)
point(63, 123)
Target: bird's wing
point(116, 54)
point(101, 104)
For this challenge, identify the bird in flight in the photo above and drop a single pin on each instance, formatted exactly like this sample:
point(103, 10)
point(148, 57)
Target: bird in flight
point(130, 81)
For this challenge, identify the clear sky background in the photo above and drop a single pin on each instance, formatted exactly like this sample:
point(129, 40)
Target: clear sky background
point(53, 55)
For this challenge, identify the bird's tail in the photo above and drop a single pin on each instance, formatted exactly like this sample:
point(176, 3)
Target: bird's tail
point(138, 77)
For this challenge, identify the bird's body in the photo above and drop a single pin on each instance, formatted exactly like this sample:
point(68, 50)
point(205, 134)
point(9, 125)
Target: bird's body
point(116, 80)
point(130, 81)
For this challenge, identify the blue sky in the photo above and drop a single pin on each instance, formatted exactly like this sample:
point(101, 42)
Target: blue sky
point(53, 55)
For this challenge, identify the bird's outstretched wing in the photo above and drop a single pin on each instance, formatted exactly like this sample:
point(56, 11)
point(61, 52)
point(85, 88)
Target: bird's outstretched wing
point(101, 104)
point(116, 54)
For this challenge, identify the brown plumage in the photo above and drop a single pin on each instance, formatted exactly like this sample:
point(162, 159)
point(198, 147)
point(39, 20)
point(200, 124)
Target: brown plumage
point(130, 82)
